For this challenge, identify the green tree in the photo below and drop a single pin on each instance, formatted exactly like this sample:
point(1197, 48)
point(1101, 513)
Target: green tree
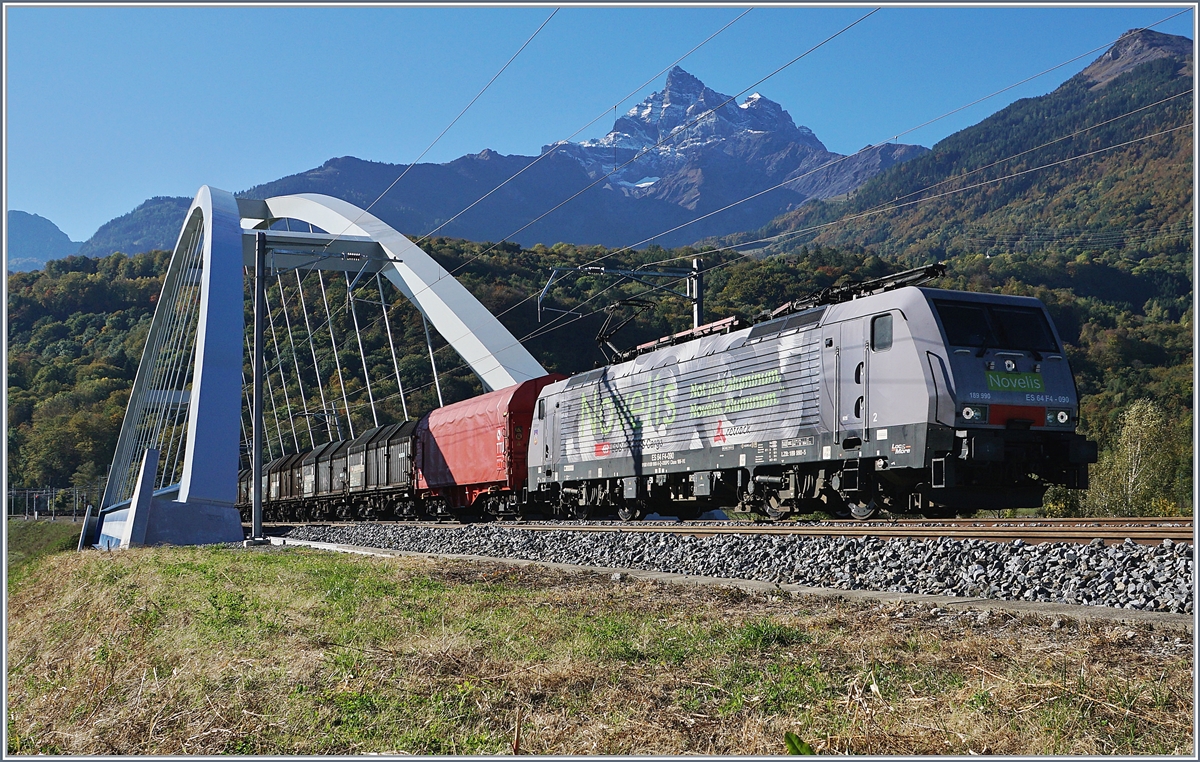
point(1137, 476)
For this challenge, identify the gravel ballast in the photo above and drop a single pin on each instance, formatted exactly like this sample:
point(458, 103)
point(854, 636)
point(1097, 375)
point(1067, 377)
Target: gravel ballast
point(1120, 575)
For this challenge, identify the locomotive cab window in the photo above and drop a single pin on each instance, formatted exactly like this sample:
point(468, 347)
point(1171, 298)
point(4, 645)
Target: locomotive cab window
point(995, 326)
point(881, 333)
point(542, 409)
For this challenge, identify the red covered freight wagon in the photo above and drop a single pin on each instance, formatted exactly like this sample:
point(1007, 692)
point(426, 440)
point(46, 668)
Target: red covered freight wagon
point(472, 454)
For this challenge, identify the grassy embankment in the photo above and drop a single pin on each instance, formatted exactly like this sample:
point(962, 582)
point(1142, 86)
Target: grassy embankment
point(206, 650)
point(29, 541)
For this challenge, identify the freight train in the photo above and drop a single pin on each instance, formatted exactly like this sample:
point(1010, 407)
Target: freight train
point(877, 395)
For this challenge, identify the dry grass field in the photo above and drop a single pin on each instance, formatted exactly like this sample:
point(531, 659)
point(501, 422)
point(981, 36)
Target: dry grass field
point(295, 651)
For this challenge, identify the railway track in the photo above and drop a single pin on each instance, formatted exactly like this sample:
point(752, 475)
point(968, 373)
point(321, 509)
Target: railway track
point(1145, 531)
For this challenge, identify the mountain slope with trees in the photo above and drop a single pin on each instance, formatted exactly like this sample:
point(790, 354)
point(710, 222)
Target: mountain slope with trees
point(78, 327)
point(1103, 234)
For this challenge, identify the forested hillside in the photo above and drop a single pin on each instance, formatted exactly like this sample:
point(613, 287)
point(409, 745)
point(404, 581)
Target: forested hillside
point(1090, 167)
point(76, 330)
point(78, 327)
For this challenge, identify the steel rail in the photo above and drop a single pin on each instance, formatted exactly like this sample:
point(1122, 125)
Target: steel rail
point(1031, 532)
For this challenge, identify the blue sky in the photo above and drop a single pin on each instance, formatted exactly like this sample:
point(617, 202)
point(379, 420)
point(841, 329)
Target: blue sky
point(106, 107)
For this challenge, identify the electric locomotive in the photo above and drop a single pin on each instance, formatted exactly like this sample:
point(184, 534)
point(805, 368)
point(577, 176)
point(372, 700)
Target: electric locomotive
point(873, 395)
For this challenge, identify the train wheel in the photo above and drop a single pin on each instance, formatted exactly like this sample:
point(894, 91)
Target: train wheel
point(581, 512)
point(864, 511)
point(776, 511)
point(632, 510)
point(835, 504)
point(774, 508)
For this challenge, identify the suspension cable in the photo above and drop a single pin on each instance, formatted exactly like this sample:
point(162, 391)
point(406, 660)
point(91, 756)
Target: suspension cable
point(432, 361)
point(361, 353)
point(316, 368)
point(295, 359)
point(337, 362)
point(287, 402)
point(177, 439)
point(174, 364)
point(391, 345)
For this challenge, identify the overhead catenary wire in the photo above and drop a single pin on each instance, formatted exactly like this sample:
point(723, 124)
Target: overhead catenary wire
point(789, 234)
point(683, 129)
point(893, 206)
point(686, 126)
point(839, 160)
point(678, 132)
point(544, 155)
point(948, 180)
point(555, 324)
point(447, 129)
point(1170, 231)
point(555, 146)
point(792, 233)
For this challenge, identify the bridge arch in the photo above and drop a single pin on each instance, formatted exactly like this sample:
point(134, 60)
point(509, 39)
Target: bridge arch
point(174, 474)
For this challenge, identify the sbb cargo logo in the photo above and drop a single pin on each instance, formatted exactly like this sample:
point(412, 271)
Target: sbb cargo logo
point(1015, 382)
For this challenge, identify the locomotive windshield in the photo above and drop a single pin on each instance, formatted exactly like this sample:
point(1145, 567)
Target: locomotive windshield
point(995, 326)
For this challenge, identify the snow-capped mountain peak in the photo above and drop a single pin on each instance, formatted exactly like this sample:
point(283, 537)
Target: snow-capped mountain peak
point(677, 124)
point(691, 146)
point(687, 113)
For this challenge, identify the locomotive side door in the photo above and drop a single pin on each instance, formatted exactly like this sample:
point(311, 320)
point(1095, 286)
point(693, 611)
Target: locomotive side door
point(543, 436)
point(852, 380)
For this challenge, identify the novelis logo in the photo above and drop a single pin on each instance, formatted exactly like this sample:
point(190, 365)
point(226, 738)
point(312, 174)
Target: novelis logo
point(1015, 382)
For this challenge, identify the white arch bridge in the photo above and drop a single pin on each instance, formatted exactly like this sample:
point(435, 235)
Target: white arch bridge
point(175, 470)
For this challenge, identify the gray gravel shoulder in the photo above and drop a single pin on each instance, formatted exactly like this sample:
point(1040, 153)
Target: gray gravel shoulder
point(1121, 575)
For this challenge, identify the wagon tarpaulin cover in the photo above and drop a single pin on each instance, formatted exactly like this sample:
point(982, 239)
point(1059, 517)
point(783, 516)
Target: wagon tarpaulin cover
point(483, 440)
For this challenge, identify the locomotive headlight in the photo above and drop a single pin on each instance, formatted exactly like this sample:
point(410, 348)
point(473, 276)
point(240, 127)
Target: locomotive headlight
point(1058, 417)
point(975, 413)
point(1010, 366)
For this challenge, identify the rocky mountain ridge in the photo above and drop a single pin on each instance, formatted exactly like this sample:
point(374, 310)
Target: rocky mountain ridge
point(671, 144)
point(689, 150)
point(33, 241)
